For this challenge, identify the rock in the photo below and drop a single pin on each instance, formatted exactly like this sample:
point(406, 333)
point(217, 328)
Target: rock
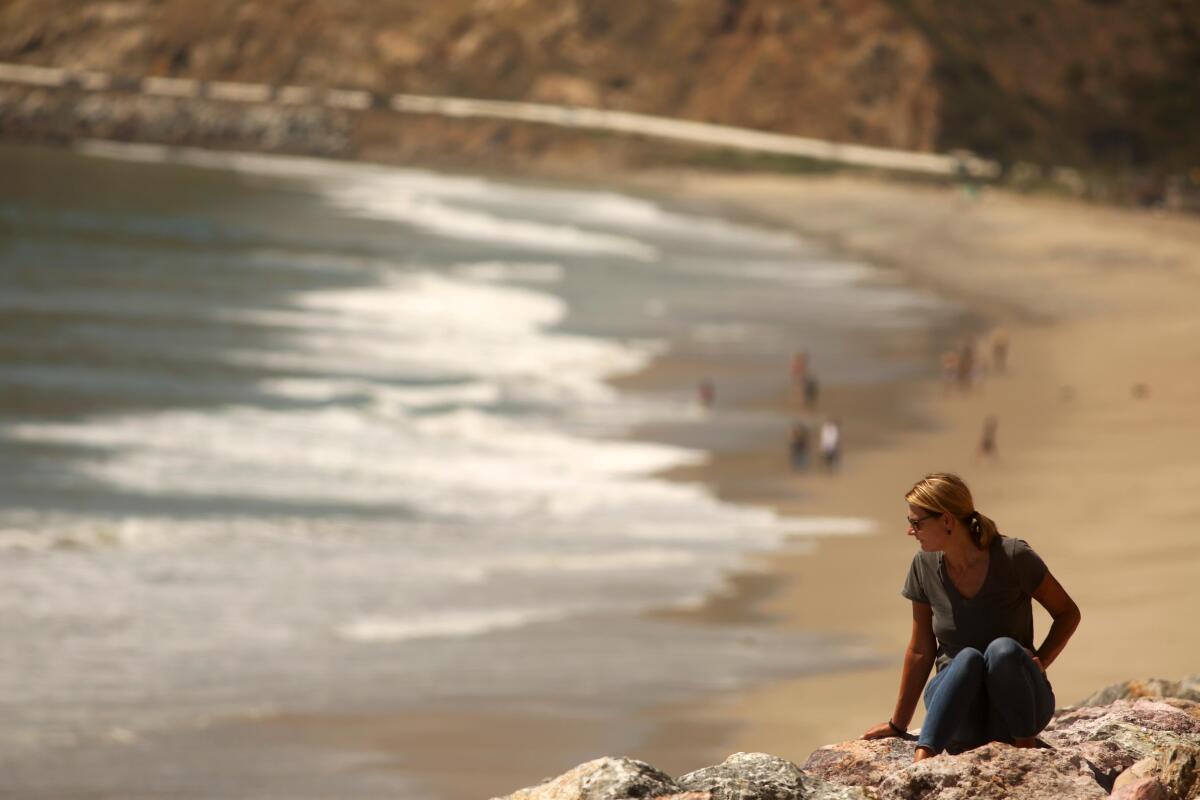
point(861, 762)
point(1186, 689)
point(1146, 768)
point(1141, 789)
point(1144, 748)
point(604, 779)
point(1179, 771)
point(1115, 736)
point(758, 776)
point(994, 771)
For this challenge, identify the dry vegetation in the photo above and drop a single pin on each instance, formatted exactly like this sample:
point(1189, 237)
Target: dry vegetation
point(1106, 83)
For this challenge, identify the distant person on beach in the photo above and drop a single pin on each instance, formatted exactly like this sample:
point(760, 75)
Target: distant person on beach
point(799, 367)
point(966, 363)
point(804, 382)
point(812, 390)
point(799, 446)
point(831, 444)
point(706, 393)
point(972, 591)
point(999, 350)
point(987, 441)
point(949, 368)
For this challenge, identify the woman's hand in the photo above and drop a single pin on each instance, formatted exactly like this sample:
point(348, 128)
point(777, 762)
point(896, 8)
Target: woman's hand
point(883, 730)
point(1036, 660)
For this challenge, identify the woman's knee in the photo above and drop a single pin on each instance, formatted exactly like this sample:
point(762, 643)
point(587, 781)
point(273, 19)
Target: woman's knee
point(969, 659)
point(1004, 650)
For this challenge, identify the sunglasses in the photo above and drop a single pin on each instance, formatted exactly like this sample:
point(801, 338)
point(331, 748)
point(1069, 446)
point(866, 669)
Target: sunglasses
point(915, 522)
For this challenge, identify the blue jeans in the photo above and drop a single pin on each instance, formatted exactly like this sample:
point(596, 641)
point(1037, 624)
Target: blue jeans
point(996, 696)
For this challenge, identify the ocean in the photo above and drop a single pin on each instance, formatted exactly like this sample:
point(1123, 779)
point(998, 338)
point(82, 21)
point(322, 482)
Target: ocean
point(290, 435)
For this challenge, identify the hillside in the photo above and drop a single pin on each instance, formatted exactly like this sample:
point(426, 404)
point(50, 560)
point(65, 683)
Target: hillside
point(1106, 83)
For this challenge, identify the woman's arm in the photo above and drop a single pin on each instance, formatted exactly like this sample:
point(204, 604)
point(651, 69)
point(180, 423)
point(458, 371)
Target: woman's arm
point(918, 660)
point(1063, 611)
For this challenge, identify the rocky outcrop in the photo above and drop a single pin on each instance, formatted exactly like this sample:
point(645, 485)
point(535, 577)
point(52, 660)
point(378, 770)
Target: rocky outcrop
point(1116, 736)
point(994, 772)
point(1186, 689)
point(758, 776)
point(603, 779)
point(42, 115)
point(1141, 742)
point(860, 762)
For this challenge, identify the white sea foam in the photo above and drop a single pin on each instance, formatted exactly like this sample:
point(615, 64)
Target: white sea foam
point(504, 271)
point(376, 629)
point(624, 212)
point(394, 198)
point(442, 330)
point(652, 559)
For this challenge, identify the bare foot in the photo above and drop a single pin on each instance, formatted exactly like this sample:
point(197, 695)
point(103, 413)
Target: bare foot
point(922, 754)
point(1025, 741)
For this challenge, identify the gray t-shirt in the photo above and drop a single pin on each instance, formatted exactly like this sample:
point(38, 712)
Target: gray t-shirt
point(1001, 607)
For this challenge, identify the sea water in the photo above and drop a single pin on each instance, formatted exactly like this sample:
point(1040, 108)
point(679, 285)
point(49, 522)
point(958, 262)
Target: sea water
point(288, 434)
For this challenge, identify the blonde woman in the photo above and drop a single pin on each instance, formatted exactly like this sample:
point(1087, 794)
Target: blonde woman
point(971, 591)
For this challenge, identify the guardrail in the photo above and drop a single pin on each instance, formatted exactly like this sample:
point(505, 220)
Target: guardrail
point(703, 133)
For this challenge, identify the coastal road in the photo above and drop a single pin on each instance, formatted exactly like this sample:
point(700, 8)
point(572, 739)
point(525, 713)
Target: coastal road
point(701, 133)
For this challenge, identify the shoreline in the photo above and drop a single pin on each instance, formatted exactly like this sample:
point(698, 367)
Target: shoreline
point(1070, 286)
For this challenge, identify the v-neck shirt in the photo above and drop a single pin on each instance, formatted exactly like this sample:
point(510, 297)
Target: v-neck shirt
point(1002, 607)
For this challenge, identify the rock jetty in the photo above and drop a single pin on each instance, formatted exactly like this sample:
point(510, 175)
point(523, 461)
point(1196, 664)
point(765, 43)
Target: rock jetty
point(1135, 740)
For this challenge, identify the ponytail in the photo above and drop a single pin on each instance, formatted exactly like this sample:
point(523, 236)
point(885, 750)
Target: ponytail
point(982, 529)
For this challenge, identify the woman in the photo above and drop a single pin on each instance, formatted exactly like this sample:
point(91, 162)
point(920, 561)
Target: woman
point(970, 589)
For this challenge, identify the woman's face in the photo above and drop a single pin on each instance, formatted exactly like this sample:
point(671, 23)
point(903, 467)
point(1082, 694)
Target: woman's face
point(923, 525)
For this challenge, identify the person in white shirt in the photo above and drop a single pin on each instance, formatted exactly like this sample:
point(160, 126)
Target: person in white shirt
point(830, 443)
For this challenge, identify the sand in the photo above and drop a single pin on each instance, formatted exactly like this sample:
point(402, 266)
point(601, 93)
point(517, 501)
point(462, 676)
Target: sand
point(1098, 427)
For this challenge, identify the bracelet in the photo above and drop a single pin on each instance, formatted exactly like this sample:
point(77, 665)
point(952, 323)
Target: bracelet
point(896, 729)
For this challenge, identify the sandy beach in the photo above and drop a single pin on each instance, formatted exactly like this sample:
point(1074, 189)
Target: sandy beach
point(1095, 463)
point(1094, 467)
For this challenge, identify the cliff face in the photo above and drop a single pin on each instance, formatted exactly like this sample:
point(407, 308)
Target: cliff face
point(1062, 81)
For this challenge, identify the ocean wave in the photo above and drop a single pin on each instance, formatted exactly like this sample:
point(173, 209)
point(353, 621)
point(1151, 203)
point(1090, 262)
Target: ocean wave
point(455, 624)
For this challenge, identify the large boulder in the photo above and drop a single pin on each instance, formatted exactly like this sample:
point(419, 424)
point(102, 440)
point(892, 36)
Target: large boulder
point(1175, 770)
point(861, 762)
point(994, 772)
point(1186, 689)
point(1140, 747)
point(1141, 789)
point(603, 779)
point(1113, 737)
point(758, 776)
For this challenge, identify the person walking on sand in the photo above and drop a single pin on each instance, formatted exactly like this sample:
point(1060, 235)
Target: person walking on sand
point(1000, 350)
point(799, 446)
point(987, 440)
point(830, 443)
point(971, 591)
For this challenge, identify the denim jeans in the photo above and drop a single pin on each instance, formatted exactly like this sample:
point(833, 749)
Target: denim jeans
point(996, 696)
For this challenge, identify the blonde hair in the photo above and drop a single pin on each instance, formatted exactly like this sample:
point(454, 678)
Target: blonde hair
point(946, 493)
